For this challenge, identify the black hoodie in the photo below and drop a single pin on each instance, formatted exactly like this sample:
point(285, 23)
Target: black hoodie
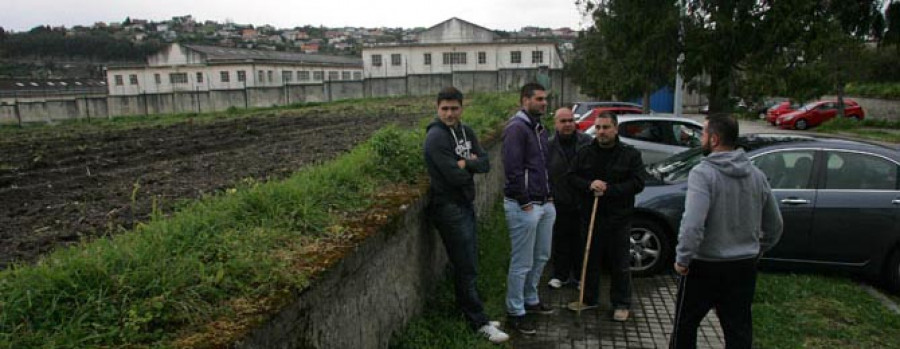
point(444, 146)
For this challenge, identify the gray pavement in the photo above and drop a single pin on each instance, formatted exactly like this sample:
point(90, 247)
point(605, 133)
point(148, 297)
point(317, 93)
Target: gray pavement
point(649, 326)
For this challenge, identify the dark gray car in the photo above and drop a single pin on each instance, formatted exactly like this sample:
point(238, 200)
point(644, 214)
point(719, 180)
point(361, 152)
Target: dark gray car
point(840, 201)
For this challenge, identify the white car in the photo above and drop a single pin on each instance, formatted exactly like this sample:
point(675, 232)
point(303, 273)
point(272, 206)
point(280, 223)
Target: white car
point(582, 109)
point(657, 136)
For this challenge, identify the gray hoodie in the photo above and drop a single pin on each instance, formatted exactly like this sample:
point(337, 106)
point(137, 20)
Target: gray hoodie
point(730, 212)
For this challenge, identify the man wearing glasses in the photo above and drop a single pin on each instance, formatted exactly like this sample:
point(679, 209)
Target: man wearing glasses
point(568, 233)
point(610, 171)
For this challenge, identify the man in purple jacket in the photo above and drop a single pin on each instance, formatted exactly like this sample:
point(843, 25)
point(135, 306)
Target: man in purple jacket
point(528, 206)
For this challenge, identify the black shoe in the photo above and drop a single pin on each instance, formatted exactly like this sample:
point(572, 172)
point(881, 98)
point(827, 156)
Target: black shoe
point(518, 323)
point(540, 308)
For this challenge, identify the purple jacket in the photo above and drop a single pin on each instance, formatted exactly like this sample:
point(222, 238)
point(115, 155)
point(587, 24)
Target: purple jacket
point(525, 154)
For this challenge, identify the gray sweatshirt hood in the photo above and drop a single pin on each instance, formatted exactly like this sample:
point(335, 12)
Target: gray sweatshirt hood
point(730, 163)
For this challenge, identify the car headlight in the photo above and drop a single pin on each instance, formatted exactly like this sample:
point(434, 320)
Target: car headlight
point(788, 117)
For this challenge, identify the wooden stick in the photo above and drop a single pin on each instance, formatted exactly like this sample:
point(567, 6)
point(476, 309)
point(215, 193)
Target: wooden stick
point(587, 252)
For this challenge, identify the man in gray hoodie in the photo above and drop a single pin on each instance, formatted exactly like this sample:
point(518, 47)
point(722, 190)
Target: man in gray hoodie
point(730, 218)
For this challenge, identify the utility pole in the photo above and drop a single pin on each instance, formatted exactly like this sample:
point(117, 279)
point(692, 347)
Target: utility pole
point(679, 79)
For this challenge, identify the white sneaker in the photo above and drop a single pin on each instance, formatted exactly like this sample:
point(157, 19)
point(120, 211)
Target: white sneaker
point(555, 283)
point(493, 334)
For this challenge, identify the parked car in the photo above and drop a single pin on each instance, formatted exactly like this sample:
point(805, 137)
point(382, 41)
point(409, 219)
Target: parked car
point(840, 201)
point(780, 109)
point(762, 108)
point(816, 113)
point(587, 121)
point(581, 109)
point(657, 136)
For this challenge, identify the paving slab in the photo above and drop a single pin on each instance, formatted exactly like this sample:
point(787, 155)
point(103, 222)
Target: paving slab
point(650, 324)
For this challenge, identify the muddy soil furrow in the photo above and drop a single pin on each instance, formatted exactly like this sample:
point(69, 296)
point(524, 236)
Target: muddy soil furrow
point(45, 207)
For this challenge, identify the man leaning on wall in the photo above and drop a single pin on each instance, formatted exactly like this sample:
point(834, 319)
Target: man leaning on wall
point(453, 156)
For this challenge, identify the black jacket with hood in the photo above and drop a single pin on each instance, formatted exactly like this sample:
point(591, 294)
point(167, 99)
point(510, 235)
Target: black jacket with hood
point(444, 146)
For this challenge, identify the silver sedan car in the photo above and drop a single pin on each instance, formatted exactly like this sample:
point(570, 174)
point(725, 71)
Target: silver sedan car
point(657, 136)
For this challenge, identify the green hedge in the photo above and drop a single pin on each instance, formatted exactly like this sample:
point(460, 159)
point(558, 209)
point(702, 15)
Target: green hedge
point(171, 276)
point(874, 90)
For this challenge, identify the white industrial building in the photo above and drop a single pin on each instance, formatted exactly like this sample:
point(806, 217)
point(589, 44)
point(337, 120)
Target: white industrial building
point(455, 46)
point(200, 68)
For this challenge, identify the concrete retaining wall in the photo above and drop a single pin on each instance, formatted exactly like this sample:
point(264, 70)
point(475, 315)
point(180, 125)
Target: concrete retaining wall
point(375, 290)
point(877, 109)
point(189, 101)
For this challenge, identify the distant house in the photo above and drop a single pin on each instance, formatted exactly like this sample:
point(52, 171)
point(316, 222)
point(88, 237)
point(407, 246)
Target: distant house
point(181, 67)
point(249, 34)
point(311, 47)
point(456, 45)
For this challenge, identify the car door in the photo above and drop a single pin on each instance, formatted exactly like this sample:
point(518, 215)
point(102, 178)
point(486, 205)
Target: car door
point(857, 211)
point(823, 113)
point(790, 173)
point(648, 137)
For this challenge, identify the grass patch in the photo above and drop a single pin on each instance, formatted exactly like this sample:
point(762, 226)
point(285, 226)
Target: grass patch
point(878, 130)
point(808, 311)
point(228, 259)
point(398, 104)
point(442, 325)
point(888, 90)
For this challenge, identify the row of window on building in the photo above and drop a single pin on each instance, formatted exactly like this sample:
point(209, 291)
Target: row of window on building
point(515, 57)
point(262, 76)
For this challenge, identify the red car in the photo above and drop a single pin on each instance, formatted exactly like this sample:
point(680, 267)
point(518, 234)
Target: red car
point(588, 121)
point(816, 113)
point(780, 109)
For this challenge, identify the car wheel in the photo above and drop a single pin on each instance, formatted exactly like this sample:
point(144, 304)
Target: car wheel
point(801, 124)
point(892, 272)
point(762, 115)
point(855, 118)
point(651, 249)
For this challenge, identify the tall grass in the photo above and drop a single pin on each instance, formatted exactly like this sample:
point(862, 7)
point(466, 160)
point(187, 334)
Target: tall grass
point(171, 276)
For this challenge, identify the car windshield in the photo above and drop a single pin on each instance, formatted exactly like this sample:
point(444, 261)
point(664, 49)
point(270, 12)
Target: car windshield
point(810, 106)
point(677, 167)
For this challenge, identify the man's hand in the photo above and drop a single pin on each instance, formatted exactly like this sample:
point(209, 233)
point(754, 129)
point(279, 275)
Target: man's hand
point(680, 269)
point(598, 187)
point(461, 163)
point(527, 208)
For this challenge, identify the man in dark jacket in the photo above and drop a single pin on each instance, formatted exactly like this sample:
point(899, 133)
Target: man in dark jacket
point(452, 156)
point(528, 206)
point(568, 233)
point(610, 170)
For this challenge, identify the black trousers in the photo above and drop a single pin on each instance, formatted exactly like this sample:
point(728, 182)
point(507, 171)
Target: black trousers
point(727, 287)
point(456, 225)
point(610, 247)
point(568, 244)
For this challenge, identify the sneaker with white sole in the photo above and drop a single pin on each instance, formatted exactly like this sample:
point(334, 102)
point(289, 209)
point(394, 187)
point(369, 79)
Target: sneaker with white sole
point(555, 283)
point(493, 334)
point(621, 315)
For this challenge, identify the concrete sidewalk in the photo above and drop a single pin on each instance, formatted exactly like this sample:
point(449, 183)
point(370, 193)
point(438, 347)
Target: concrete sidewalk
point(649, 326)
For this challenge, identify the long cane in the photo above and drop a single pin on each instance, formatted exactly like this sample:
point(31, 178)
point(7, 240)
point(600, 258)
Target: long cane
point(587, 252)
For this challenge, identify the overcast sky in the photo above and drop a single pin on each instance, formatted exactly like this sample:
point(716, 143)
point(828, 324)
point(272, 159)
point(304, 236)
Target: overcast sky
point(22, 15)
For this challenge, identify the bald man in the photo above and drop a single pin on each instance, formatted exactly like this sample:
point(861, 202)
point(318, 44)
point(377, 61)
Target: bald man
point(568, 240)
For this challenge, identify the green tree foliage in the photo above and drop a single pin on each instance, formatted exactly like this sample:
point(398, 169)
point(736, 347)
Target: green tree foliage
point(630, 50)
point(892, 19)
point(44, 42)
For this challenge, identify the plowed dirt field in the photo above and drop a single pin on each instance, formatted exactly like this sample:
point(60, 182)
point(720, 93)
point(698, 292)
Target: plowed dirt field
point(61, 184)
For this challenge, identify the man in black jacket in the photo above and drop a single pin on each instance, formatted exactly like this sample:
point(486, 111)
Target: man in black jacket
point(452, 156)
point(610, 170)
point(568, 231)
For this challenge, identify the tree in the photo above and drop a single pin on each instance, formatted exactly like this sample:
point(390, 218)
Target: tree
point(892, 17)
point(630, 50)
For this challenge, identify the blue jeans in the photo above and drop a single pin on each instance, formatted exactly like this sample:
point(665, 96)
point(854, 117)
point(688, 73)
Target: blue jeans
point(531, 235)
point(456, 225)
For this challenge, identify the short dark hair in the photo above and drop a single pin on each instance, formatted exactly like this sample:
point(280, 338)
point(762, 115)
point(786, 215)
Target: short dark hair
point(724, 126)
point(608, 115)
point(529, 88)
point(450, 93)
